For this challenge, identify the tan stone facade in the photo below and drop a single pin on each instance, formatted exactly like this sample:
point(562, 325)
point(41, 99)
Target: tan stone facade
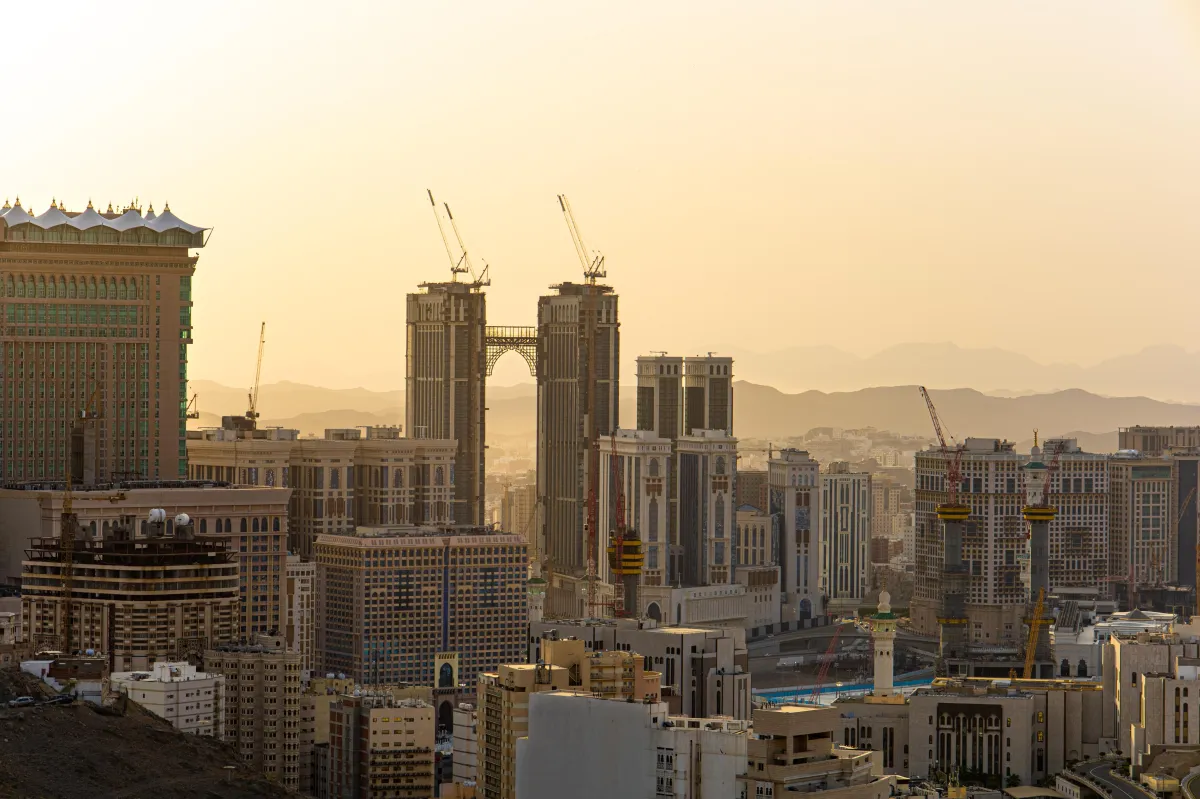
point(95, 305)
point(381, 747)
point(262, 704)
point(351, 476)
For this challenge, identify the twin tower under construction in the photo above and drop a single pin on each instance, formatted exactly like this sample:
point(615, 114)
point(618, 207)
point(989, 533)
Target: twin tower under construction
point(573, 353)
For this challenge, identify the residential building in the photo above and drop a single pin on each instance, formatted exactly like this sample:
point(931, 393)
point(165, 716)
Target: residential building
point(707, 468)
point(704, 671)
point(137, 599)
point(445, 383)
point(1142, 521)
point(253, 521)
point(754, 541)
point(518, 509)
point(504, 698)
point(316, 698)
point(578, 334)
point(97, 311)
point(845, 537)
point(466, 744)
point(887, 510)
point(796, 503)
point(660, 395)
point(1079, 533)
point(262, 704)
point(192, 701)
point(368, 475)
point(1154, 440)
point(993, 546)
point(792, 750)
point(638, 750)
point(753, 488)
point(389, 599)
point(302, 611)
point(707, 394)
point(643, 469)
point(381, 747)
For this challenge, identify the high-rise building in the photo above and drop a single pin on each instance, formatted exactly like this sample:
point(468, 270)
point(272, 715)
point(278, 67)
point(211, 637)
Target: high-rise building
point(518, 511)
point(135, 599)
point(351, 476)
point(578, 380)
point(389, 599)
point(262, 704)
point(381, 747)
point(643, 464)
point(253, 520)
point(707, 468)
point(844, 548)
point(795, 482)
point(1079, 534)
point(753, 488)
point(1153, 440)
point(95, 315)
point(445, 382)
point(660, 395)
point(707, 394)
point(192, 701)
point(1142, 511)
point(993, 543)
point(301, 611)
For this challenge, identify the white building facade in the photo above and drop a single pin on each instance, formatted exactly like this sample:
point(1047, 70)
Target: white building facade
point(795, 498)
point(192, 701)
point(845, 537)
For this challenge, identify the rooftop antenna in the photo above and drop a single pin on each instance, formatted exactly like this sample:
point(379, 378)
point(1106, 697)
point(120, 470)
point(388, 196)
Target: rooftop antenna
point(593, 266)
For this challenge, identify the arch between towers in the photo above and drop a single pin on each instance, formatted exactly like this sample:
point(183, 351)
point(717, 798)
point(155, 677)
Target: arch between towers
point(521, 340)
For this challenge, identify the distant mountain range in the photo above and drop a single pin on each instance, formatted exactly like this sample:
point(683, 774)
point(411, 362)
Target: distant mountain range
point(759, 411)
point(1166, 372)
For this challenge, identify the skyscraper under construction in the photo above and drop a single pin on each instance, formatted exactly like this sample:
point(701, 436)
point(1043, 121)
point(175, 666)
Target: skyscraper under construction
point(445, 382)
point(578, 336)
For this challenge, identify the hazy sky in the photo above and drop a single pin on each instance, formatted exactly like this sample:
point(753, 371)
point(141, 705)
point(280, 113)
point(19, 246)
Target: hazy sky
point(759, 175)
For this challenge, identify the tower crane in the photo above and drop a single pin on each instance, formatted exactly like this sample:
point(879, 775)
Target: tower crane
point(1036, 622)
point(252, 413)
point(460, 265)
point(953, 464)
point(826, 661)
point(193, 408)
point(593, 262)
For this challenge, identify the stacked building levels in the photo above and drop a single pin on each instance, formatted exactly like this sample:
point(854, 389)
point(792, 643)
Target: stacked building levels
point(380, 747)
point(518, 511)
point(445, 383)
point(391, 598)
point(300, 631)
point(795, 486)
point(352, 476)
point(844, 547)
point(995, 541)
point(253, 521)
point(192, 701)
point(95, 312)
point(135, 598)
point(262, 704)
point(578, 401)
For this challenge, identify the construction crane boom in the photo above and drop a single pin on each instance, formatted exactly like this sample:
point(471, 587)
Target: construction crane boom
point(252, 413)
point(1036, 622)
point(826, 661)
point(193, 407)
point(953, 458)
point(456, 264)
point(593, 266)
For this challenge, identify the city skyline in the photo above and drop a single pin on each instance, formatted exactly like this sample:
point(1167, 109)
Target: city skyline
point(763, 143)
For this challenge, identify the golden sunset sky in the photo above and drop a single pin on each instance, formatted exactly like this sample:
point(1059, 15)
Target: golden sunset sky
point(760, 175)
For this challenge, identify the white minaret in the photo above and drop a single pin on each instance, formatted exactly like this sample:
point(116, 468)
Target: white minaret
point(883, 624)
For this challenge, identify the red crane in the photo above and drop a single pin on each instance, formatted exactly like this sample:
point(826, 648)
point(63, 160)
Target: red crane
point(953, 464)
point(826, 662)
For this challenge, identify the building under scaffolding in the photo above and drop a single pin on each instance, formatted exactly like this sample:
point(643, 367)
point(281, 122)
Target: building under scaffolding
point(137, 600)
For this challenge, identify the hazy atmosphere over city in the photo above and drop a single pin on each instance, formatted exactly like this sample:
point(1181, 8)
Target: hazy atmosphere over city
point(774, 175)
point(658, 400)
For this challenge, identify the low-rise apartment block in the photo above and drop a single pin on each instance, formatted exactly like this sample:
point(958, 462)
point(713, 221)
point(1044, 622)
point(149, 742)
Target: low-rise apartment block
point(381, 747)
point(193, 701)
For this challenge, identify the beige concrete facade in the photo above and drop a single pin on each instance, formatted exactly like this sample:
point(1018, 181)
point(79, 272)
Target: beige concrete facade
point(95, 304)
point(302, 610)
point(352, 476)
point(193, 701)
point(262, 704)
point(252, 520)
point(793, 749)
point(389, 599)
point(1155, 440)
point(380, 748)
point(518, 507)
point(136, 600)
point(1126, 660)
point(1142, 531)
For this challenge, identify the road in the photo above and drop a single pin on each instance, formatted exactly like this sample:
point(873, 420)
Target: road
point(1100, 772)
